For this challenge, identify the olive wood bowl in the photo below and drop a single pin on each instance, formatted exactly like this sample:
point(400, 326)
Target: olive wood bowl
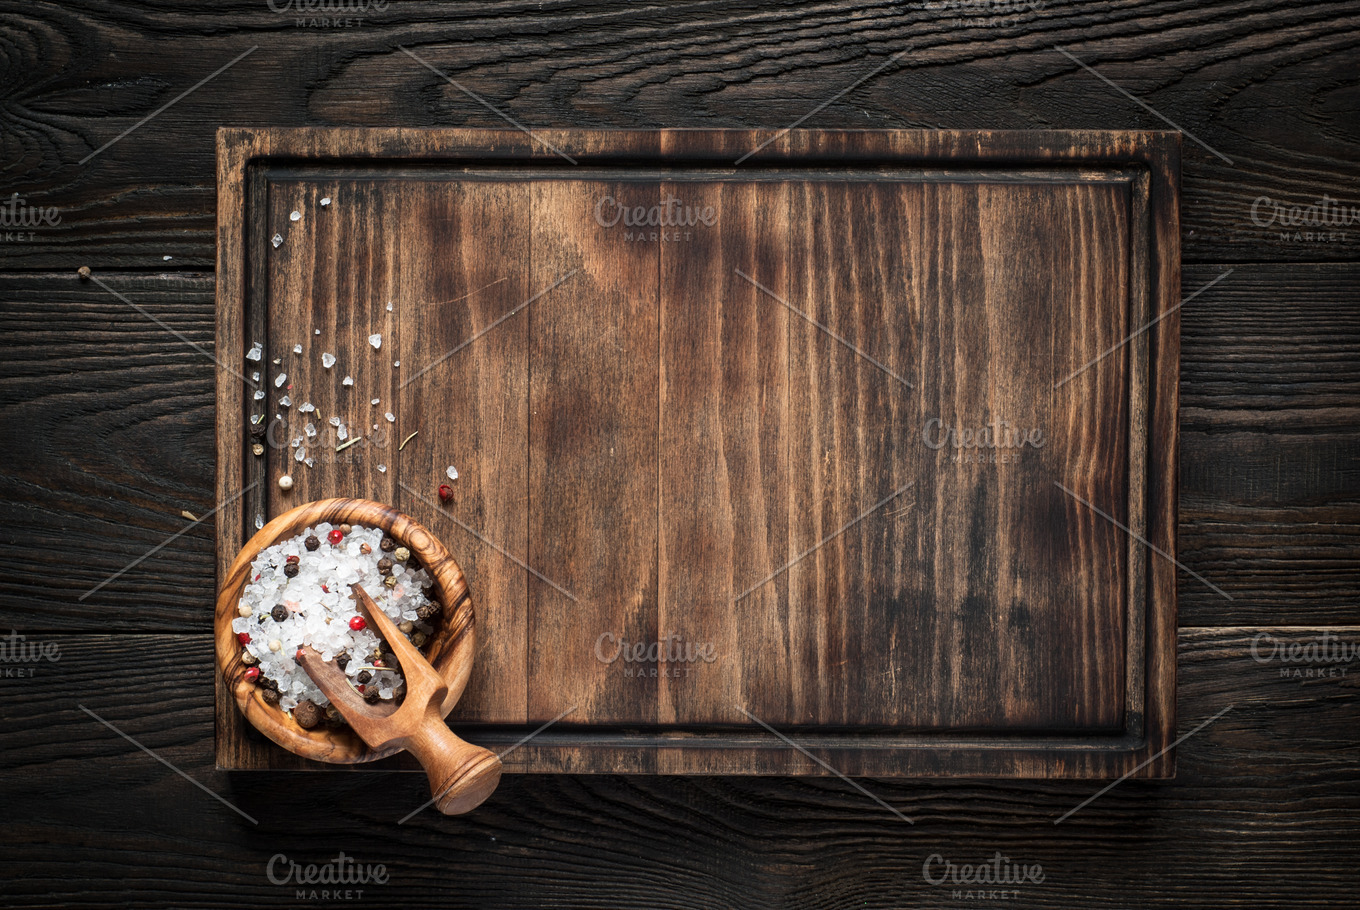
point(450, 648)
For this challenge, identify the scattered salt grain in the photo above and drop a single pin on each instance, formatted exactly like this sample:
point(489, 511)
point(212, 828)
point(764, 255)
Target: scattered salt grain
point(382, 469)
point(300, 454)
point(306, 407)
point(347, 381)
point(259, 521)
point(286, 401)
point(390, 418)
point(374, 401)
point(317, 332)
point(325, 200)
point(452, 472)
point(396, 363)
point(341, 433)
point(280, 379)
point(328, 360)
point(277, 241)
point(335, 421)
point(256, 351)
point(310, 429)
point(389, 306)
point(259, 393)
point(297, 349)
point(255, 376)
point(296, 216)
point(375, 340)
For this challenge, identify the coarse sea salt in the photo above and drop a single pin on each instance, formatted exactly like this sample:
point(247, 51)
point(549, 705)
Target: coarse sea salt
point(280, 379)
point(452, 473)
point(347, 381)
point(375, 340)
point(256, 351)
point(328, 360)
point(318, 606)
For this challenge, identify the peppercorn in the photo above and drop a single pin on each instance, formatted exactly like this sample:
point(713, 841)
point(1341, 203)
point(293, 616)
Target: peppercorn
point(334, 719)
point(371, 696)
point(249, 659)
point(385, 565)
point(291, 570)
point(427, 611)
point(257, 448)
point(252, 674)
point(401, 554)
point(363, 677)
point(388, 545)
point(307, 714)
point(268, 683)
point(243, 610)
point(378, 662)
point(335, 535)
point(358, 623)
point(390, 581)
point(270, 696)
point(342, 660)
point(311, 542)
point(280, 612)
point(275, 645)
point(345, 529)
point(292, 558)
point(445, 492)
point(257, 430)
point(286, 482)
point(414, 564)
point(365, 548)
point(419, 638)
point(243, 637)
point(406, 626)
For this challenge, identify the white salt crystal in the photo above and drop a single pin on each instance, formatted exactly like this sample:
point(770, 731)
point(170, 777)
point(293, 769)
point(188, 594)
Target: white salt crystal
point(255, 376)
point(342, 434)
point(328, 360)
point(277, 361)
point(317, 332)
point(296, 216)
point(347, 381)
point(382, 469)
point(375, 340)
point(280, 379)
point(310, 429)
point(374, 401)
point(259, 522)
point(396, 363)
point(389, 306)
point(306, 407)
point(309, 462)
point(286, 401)
point(452, 472)
point(325, 200)
point(259, 393)
point(335, 421)
point(390, 417)
point(277, 241)
point(256, 351)
point(300, 454)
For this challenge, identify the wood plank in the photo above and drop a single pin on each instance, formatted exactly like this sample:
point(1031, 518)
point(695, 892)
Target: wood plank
point(724, 464)
point(1231, 72)
point(90, 814)
point(465, 378)
point(592, 451)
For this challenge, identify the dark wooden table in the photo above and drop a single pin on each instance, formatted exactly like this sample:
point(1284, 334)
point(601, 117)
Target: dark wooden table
point(107, 414)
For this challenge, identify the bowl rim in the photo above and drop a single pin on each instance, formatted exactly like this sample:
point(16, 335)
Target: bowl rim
point(451, 650)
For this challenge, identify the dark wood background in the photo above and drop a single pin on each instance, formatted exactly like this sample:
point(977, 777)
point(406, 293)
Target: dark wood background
point(106, 420)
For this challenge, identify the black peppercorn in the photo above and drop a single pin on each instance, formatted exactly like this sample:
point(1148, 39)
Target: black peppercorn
point(372, 695)
point(388, 545)
point(334, 719)
point(363, 677)
point(280, 612)
point(311, 542)
point(257, 430)
point(270, 696)
point(342, 660)
point(308, 714)
point(385, 565)
point(291, 570)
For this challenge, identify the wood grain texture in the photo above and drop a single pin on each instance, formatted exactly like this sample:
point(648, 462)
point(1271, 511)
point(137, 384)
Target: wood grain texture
point(105, 839)
point(1028, 259)
point(1267, 87)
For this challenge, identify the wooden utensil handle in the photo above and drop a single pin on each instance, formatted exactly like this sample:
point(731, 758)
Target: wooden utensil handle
point(461, 775)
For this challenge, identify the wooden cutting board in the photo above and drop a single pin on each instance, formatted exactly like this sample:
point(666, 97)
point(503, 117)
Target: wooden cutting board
point(873, 432)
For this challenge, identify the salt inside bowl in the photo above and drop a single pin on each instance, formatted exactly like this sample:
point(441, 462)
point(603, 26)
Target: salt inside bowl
point(320, 606)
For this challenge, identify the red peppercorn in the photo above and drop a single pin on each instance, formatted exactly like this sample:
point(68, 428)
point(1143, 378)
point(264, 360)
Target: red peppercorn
point(252, 674)
point(293, 559)
point(326, 589)
point(335, 536)
point(377, 662)
point(445, 492)
point(243, 637)
point(357, 623)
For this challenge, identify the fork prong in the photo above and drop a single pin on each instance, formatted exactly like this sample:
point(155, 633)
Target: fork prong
point(413, 663)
